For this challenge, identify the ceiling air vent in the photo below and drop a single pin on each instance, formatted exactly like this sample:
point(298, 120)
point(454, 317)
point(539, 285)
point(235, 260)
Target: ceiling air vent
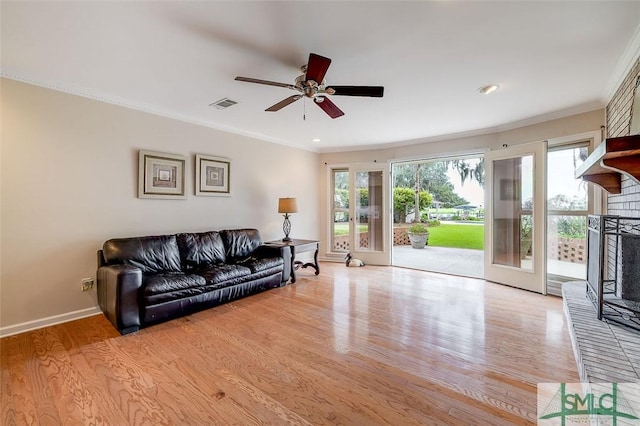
point(223, 103)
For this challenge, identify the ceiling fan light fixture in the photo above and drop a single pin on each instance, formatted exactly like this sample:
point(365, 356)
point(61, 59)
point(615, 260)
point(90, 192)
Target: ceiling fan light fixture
point(315, 140)
point(489, 88)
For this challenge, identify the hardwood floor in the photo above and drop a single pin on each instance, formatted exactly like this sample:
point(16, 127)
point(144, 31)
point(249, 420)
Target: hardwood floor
point(353, 346)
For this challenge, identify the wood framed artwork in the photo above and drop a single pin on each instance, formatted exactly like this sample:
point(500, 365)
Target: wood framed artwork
point(161, 175)
point(213, 176)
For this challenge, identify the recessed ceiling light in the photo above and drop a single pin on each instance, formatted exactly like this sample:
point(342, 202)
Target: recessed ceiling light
point(315, 140)
point(489, 88)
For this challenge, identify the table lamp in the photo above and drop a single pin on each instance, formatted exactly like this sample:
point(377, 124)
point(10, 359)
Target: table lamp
point(286, 206)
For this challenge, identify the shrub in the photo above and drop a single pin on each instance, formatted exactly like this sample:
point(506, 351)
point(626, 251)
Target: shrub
point(418, 228)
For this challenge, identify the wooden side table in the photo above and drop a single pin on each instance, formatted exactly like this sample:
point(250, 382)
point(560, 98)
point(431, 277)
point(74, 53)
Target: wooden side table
point(299, 246)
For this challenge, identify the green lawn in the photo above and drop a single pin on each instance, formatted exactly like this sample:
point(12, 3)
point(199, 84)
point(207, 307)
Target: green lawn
point(342, 228)
point(459, 236)
point(445, 235)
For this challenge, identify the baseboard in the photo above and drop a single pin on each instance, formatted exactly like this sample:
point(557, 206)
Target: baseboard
point(46, 322)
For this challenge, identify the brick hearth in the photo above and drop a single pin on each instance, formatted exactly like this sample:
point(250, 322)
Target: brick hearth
point(605, 352)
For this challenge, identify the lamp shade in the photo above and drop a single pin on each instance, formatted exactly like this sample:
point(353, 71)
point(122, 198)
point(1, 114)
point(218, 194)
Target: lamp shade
point(287, 205)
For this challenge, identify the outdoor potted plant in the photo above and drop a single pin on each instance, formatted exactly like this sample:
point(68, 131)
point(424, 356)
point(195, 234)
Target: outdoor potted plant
point(418, 235)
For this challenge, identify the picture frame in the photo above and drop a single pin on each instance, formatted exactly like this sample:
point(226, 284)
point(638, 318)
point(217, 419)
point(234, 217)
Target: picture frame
point(213, 176)
point(161, 175)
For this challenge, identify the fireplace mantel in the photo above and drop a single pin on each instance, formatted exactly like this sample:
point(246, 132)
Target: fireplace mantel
point(611, 159)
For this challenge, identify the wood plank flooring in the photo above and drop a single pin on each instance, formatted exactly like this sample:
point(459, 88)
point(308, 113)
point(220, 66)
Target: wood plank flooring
point(352, 346)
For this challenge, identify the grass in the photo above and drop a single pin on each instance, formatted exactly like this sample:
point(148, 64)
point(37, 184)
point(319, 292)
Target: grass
point(458, 236)
point(445, 235)
point(343, 228)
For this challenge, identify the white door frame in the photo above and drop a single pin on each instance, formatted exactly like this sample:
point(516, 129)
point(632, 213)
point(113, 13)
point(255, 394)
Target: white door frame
point(535, 278)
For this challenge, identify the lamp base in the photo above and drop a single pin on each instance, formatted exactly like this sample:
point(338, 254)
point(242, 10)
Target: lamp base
point(286, 227)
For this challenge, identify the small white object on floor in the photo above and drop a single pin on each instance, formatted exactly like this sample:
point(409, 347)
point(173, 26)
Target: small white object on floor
point(351, 261)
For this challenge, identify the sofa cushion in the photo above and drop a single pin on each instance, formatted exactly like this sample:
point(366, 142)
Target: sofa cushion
point(200, 250)
point(150, 254)
point(262, 263)
point(166, 283)
point(223, 275)
point(161, 288)
point(240, 243)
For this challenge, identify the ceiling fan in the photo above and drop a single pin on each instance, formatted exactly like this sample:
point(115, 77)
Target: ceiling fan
point(311, 84)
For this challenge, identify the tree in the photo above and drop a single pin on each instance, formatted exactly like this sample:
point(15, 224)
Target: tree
point(404, 200)
point(470, 169)
point(432, 177)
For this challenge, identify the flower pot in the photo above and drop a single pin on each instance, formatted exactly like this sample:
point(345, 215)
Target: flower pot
point(418, 240)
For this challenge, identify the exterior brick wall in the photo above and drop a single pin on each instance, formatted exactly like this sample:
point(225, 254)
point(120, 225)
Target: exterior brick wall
point(618, 113)
point(572, 250)
point(400, 238)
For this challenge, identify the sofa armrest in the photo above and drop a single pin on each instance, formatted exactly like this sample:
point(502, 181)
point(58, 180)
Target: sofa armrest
point(284, 252)
point(118, 287)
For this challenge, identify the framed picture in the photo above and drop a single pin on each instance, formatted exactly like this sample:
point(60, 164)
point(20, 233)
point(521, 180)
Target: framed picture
point(213, 176)
point(161, 175)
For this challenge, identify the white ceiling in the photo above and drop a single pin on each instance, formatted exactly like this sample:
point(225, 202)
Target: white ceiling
point(551, 59)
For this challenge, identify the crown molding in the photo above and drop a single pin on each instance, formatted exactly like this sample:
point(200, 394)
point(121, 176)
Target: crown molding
point(626, 62)
point(125, 103)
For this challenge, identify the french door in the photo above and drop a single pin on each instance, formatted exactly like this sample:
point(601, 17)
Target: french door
point(515, 249)
point(360, 212)
point(369, 213)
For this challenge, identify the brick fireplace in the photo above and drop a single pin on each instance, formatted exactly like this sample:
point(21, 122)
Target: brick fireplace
point(606, 351)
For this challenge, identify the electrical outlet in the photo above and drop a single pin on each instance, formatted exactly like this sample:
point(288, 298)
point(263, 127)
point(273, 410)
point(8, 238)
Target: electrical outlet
point(87, 284)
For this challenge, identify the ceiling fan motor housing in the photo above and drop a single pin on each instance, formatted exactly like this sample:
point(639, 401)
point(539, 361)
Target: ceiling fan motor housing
point(310, 88)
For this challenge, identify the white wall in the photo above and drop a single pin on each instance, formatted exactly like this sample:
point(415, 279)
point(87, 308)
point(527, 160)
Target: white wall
point(69, 182)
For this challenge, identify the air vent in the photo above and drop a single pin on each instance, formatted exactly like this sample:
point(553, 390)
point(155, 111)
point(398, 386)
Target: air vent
point(223, 103)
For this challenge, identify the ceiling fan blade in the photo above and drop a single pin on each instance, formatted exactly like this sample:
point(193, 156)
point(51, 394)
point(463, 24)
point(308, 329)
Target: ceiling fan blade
point(371, 91)
point(317, 67)
point(268, 83)
point(283, 103)
point(329, 107)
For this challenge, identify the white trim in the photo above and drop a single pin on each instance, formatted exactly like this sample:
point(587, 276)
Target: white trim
point(122, 102)
point(48, 321)
point(630, 55)
point(538, 119)
point(594, 135)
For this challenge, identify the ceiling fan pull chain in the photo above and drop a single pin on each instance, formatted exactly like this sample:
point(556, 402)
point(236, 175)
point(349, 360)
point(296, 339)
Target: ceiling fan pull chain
point(304, 110)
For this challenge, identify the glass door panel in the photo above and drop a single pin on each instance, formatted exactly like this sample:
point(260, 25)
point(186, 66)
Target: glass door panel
point(368, 220)
point(512, 219)
point(514, 232)
point(370, 225)
point(340, 237)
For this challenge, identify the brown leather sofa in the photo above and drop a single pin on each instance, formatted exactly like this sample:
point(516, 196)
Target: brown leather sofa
point(146, 280)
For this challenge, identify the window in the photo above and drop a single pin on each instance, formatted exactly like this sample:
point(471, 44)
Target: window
point(567, 209)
